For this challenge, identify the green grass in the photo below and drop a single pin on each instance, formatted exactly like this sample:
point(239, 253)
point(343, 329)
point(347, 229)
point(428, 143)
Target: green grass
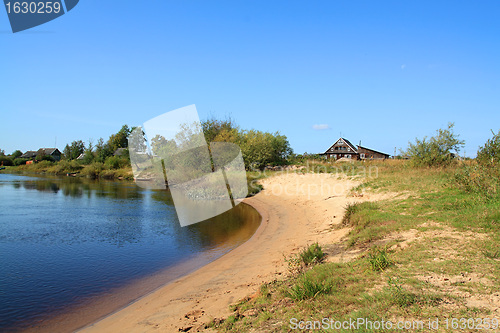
point(311, 255)
point(454, 257)
point(379, 259)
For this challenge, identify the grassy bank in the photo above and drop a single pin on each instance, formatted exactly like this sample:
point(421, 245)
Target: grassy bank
point(432, 251)
point(95, 170)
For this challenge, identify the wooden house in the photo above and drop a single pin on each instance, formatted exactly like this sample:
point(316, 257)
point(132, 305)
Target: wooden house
point(343, 148)
point(54, 152)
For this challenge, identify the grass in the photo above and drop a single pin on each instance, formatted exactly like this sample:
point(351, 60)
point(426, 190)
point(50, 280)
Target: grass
point(379, 259)
point(311, 255)
point(454, 257)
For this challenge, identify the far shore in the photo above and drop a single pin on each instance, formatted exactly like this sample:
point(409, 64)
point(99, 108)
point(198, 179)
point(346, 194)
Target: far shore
point(291, 219)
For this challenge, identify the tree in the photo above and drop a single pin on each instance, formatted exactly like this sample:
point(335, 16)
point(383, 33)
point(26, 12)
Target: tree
point(490, 152)
point(16, 154)
point(102, 151)
point(2, 152)
point(74, 150)
point(88, 155)
point(120, 139)
point(439, 150)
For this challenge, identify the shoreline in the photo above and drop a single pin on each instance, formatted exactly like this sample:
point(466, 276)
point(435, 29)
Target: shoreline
point(290, 220)
point(90, 310)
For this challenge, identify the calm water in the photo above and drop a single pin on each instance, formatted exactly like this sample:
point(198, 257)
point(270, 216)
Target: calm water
point(67, 241)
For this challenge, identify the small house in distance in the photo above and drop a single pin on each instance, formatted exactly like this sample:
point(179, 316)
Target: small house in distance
point(343, 148)
point(54, 152)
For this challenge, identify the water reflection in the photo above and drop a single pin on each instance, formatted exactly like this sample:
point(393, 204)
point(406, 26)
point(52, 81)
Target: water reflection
point(64, 239)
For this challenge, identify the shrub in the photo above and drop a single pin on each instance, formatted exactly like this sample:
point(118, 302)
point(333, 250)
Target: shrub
point(64, 166)
point(20, 161)
point(93, 170)
point(480, 179)
point(43, 157)
point(6, 161)
point(312, 254)
point(115, 162)
point(439, 150)
point(490, 152)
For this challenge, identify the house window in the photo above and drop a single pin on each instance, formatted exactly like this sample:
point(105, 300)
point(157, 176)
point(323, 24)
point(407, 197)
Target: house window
point(348, 156)
point(362, 155)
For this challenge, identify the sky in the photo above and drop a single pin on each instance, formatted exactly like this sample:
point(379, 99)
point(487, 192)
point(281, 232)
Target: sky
point(379, 72)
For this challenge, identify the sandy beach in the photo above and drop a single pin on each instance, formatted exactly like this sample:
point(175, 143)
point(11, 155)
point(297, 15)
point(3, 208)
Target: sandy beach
point(296, 209)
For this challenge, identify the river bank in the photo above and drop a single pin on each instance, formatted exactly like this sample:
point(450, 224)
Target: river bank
point(296, 209)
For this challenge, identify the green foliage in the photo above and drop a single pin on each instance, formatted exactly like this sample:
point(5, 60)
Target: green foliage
point(350, 210)
point(2, 152)
point(439, 150)
point(20, 161)
point(16, 154)
point(379, 259)
point(93, 170)
point(6, 161)
point(481, 179)
point(102, 151)
point(44, 157)
point(116, 162)
point(258, 148)
point(74, 150)
point(313, 254)
point(120, 139)
point(220, 130)
point(490, 152)
point(64, 167)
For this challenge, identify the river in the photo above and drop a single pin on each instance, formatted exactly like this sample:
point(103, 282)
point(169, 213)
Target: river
point(69, 244)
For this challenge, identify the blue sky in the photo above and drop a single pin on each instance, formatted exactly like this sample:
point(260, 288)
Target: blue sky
point(380, 72)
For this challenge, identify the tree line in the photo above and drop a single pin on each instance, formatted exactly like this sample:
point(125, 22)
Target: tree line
point(259, 149)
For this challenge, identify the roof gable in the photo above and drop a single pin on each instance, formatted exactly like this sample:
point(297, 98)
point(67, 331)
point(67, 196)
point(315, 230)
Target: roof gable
point(342, 142)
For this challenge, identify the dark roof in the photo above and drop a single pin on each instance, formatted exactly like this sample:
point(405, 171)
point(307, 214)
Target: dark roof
point(350, 144)
point(29, 154)
point(373, 150)
point(48, 151)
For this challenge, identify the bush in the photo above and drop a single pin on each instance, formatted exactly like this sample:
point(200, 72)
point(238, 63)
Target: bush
point(20, 161)
point(93, 170)
point(482, 179)
point(439, 150)
point(115, 162)
point(43, 157)
point(6, 161)
point(63, 167)
point(490, 152)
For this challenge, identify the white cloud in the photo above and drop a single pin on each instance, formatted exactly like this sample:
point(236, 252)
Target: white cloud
point(320, 127)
